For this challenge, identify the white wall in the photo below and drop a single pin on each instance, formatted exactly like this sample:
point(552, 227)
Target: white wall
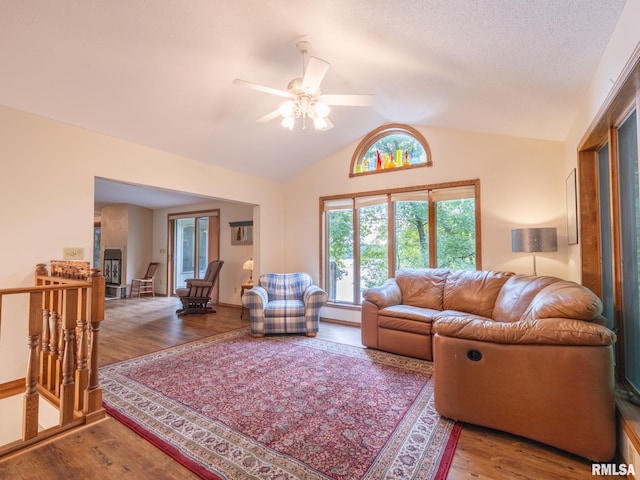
point(623, 42)
point(522, 183)
point(47, 184)
point(139, 242)
point(128, 228)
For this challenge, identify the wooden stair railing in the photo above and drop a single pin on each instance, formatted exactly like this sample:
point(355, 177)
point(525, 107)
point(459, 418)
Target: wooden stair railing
point(63, 324)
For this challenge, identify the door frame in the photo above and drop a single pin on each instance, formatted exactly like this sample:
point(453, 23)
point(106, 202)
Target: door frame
point(213, 248)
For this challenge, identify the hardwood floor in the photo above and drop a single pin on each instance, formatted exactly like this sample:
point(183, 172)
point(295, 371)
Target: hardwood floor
point(108, 449)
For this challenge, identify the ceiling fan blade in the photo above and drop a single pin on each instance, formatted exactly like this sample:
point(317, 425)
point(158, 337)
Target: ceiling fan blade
point(262, 88)
point(329, 124)
point(356, 100)
point(269, 116)
point(313, 75)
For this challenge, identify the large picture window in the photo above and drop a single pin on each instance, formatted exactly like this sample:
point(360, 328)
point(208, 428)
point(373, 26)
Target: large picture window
point(368, 236)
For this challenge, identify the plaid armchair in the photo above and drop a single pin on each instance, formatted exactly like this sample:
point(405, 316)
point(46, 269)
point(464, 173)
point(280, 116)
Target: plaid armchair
point(284, 303)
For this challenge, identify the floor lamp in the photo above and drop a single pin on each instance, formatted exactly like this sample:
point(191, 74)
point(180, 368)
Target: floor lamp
point(533, 240)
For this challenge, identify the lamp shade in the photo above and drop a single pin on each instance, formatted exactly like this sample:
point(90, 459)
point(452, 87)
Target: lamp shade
point(248, 265)
point(534, 240)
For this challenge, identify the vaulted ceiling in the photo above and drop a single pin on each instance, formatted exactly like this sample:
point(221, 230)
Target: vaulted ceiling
point(160, 72)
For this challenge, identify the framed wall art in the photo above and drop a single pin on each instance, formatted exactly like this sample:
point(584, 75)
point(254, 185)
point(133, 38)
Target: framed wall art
point(241, 233)
point(572, 208)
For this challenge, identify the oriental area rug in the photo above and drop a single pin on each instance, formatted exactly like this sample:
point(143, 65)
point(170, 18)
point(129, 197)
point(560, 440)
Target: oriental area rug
point(284, 407)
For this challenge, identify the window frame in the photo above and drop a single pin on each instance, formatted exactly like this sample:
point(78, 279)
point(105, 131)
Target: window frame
point(622, 100)
point(389, 193)
point(381, 132)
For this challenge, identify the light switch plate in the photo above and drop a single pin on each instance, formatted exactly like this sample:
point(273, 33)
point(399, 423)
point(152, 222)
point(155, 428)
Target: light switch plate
point(72, 253)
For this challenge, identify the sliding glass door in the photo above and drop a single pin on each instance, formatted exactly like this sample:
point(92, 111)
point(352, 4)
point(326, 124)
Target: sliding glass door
point(629, 198)
point(195, 240)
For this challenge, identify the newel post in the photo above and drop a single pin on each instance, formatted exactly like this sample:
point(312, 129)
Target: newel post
point(41, 269)
point(93, 395)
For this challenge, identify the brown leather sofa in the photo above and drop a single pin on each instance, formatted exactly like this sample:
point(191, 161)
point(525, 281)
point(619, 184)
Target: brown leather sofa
point(524, 354)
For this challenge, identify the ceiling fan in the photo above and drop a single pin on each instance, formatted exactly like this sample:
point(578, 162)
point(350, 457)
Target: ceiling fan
point(304, 98)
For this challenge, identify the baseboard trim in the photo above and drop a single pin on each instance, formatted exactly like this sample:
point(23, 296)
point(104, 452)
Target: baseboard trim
point(340, 322)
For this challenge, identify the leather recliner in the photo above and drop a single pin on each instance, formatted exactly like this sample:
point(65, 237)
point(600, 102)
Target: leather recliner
point(522, 354)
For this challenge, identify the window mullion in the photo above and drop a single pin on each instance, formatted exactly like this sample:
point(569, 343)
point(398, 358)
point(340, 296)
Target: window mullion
point(356, 253)
point(432, 231)
point(391, 237)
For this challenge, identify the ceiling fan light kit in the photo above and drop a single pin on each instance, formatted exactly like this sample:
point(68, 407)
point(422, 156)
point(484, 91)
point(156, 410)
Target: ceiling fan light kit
point(305, 99)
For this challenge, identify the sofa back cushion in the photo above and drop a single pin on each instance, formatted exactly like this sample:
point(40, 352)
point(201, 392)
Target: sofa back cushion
point(473, 291)
point(422, 287)
point(565, 299)
point(516, 296)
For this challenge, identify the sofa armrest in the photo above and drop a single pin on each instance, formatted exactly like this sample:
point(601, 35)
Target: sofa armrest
point(548, 331)
point(385, 295)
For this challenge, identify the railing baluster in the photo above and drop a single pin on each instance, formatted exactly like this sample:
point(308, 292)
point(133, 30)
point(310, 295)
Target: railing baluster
point(67, 363)
point(45, 351)
point(31, 396)
point(53, 342)
point(82, 370)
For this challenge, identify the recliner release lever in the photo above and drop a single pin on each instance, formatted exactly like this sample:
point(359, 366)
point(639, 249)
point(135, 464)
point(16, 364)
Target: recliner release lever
point(474, 355)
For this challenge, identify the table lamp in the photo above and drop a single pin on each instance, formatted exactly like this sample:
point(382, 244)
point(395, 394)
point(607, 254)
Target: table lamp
point(248, 265)
point(534, 240)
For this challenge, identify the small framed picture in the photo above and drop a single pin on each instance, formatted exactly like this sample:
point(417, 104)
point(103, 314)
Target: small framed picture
point(241, 233)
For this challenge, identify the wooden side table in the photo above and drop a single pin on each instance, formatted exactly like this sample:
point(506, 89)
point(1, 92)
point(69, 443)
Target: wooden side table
point(243, 288)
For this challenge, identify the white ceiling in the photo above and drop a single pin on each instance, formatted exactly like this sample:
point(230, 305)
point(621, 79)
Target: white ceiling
point(159, 72)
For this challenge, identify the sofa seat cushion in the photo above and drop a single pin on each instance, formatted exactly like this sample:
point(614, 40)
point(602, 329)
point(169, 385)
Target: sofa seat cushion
point(284, 308)
point(418, 314)
point(454, 315)
point(406, 317)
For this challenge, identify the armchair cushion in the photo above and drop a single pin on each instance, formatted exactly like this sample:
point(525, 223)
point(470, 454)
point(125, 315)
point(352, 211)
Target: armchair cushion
point(284, 308)
point(286, 286)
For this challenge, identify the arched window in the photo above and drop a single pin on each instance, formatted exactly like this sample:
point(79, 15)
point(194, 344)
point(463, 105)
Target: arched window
point(390, 147)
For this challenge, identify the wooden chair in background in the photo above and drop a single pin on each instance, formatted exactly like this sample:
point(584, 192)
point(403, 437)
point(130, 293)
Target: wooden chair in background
point(146, 284)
